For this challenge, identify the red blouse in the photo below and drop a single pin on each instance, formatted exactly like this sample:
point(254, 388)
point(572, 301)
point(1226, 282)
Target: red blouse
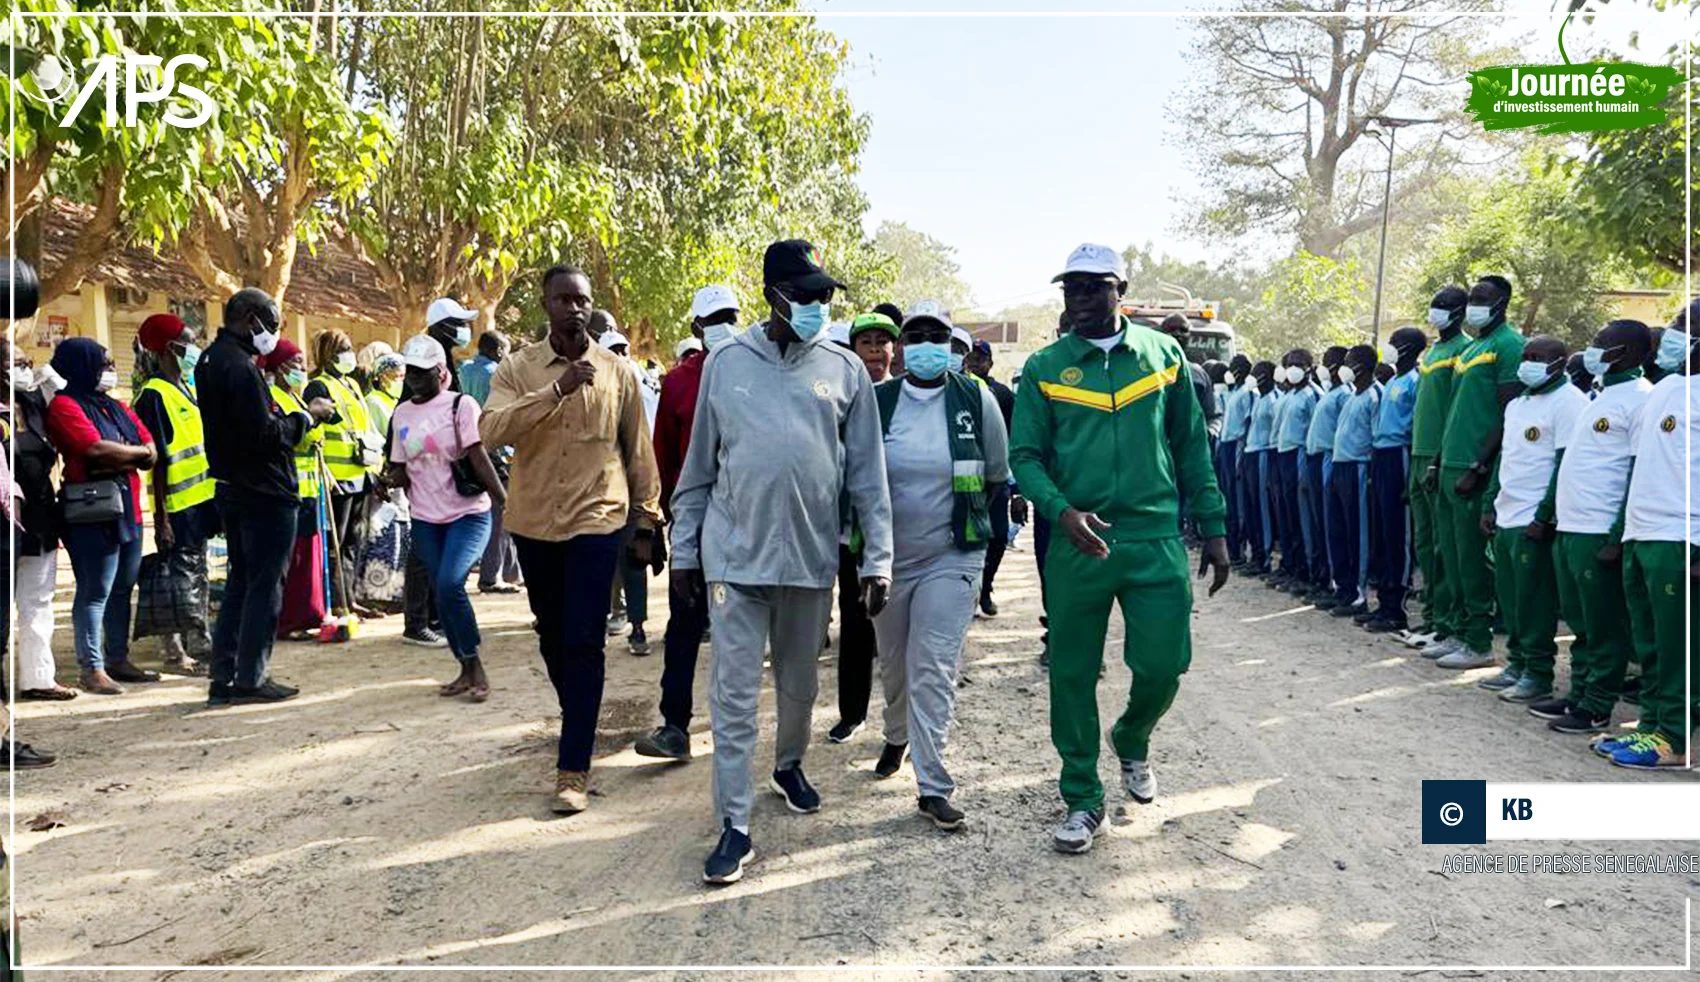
point(73, 433)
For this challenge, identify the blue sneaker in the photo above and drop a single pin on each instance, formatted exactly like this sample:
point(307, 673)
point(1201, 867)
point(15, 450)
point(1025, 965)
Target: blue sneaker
point(1647, 752)
point(726, 863)
point(1605, 745)
point(800, 796)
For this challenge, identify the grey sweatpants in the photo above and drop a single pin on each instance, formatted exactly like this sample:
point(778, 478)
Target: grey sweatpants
point(748, 621)
point(920, 634)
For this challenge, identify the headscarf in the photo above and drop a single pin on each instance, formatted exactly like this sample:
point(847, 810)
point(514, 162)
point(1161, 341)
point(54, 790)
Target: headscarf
point(80, 362)
point(158, 331)
point(285, 350)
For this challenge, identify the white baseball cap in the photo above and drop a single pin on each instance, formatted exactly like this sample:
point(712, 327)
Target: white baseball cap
point(686, 346)
point(713, 299)
point(928, 310)
point(609, 339)
point(1094, 259)
point(423, 351)
point(961, 334)
point(444, 308)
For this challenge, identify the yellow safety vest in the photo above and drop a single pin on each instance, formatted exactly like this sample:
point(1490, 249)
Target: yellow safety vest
point(306, 452)
point(344, 454)
point(187, 480)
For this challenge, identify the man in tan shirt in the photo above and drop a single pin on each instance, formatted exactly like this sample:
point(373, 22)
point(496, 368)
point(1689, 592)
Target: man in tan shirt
point(582, 462)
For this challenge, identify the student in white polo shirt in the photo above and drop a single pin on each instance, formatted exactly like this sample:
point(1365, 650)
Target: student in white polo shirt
point(1537, 429)
point(1660, 530)
point(1593, 479)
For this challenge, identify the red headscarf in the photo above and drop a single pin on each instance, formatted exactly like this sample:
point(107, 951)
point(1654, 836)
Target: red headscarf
point(160, 330)
point(285, 350)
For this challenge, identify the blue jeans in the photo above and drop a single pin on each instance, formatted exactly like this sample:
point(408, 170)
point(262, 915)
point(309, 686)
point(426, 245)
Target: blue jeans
point(449, 549)
point(106, 576)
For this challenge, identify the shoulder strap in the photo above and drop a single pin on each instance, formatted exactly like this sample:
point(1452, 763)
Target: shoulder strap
point(454, 421)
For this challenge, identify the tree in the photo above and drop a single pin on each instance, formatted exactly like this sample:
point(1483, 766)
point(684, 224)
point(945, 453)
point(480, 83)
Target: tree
point(1307, 301)
point(1228, 284)
point(1291, 100)
point(292, 144)
point(925, 267)
point(1526, 227)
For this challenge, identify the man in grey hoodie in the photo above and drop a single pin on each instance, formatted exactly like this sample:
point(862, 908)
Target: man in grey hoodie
point(786, 422)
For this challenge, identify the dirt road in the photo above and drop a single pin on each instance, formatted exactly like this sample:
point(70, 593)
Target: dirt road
point(371, 822)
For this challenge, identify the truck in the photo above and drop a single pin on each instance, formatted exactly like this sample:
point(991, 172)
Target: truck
point(1210, 339)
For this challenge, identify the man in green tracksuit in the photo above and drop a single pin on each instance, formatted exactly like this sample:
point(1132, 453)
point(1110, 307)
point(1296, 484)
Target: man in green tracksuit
point(1108, 440)
point(1484, 381)
point(1428, 421)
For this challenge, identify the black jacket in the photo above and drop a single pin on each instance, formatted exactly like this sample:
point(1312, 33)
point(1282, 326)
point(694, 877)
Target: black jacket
point(250, 441)
point(38, 513)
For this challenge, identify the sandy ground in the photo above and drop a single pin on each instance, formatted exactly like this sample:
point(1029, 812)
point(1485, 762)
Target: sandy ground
point(371, 822)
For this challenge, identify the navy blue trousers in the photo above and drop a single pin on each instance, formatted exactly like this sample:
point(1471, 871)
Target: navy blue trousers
point(1252, 476)
point(1285, 495)
point(1227, 478)
point(1390, 528)
point(1313, 493)
point(1348, 530)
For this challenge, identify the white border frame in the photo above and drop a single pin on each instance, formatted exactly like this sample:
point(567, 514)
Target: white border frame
point(1688, 218)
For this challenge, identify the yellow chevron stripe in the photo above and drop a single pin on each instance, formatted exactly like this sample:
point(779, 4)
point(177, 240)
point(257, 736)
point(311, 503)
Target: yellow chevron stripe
point(1435, 366)
point(1079, 397)
point(1485, 358)
point(1151, 383)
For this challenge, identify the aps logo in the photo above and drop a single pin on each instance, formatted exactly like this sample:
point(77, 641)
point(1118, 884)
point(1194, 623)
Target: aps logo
point(145, 80)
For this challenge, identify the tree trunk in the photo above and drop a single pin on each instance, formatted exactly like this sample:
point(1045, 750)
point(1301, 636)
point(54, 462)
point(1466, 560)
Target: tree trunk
point(103, 233)
point(27, 178)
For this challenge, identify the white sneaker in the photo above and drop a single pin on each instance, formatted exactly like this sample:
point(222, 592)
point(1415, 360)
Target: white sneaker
point(1440, 649)
point(1077, 831)
point(1140, 782)
point(1419, 641)
point(1466, 657)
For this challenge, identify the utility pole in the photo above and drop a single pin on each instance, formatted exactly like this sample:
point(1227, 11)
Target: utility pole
point(1392, 126)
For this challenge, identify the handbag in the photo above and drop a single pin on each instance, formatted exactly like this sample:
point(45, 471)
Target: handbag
point(467, 481)
point(91, 502)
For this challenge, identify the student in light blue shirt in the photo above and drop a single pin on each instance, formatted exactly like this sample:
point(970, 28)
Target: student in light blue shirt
point(1236, 417)
point(1255, 467)
point(1292, 425)
point(1318, 464)
point(1390, 544)
point(1348, 530)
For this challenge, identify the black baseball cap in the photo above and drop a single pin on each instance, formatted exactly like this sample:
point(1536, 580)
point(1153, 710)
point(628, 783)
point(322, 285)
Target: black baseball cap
point(796, 262)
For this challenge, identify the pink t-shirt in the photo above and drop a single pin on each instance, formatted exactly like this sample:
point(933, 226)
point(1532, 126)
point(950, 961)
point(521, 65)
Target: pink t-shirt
point(424, 439)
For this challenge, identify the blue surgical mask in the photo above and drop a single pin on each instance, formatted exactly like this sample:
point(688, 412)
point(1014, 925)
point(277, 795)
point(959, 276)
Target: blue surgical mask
point(1477, 316)
point(296, 379)
point(956, 362)
point(190, 357)
point(808, 319)
point(1439, 317)
point(715, 335)
point(463, 336)
point(1534, 374)
point(1673, 350)
point(1594, 360)
point(926, 361)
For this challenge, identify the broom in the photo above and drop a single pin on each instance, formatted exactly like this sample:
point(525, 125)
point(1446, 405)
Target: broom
point(344, 626)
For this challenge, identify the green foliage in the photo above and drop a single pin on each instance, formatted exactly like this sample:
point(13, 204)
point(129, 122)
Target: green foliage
point(1228, 283)
point(926, 269)
point(1307, 301)
point(1525, 226)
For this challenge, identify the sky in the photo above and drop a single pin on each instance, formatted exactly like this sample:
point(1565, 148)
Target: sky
point(1015, 139)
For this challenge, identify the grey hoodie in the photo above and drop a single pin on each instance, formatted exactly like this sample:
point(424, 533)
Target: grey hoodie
point(775, 441)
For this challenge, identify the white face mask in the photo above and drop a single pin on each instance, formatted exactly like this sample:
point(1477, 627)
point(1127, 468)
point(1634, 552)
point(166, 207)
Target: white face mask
point(1347, 376)
point(1295, 375)
point(1327, 382)
point(265, 341)
point(1229, 378)
point(1389, 354)
point(23, 379)
point(108, 381)
point(51, 381)
point(345, 362)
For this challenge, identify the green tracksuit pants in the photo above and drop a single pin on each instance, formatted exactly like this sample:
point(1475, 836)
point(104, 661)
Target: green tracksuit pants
point(1425, 531)
point(1466, 560)
point(1528, 597)
point(1151, 580)
point(1666, 639)
point(1591, 597)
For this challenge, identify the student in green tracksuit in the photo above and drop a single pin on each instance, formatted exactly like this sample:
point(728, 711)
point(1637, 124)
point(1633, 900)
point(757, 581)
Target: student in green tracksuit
point(1108, 440)
point(1484, 380)
point(1661, 529)
point(1428, 421)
